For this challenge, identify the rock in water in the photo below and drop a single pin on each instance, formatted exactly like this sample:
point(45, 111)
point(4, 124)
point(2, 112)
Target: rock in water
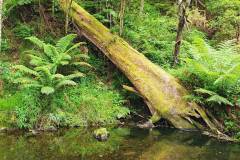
point(101, 134)
point(146, 125)
point(3, 130)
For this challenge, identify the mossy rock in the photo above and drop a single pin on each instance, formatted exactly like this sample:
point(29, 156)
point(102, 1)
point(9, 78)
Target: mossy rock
point(101, 134)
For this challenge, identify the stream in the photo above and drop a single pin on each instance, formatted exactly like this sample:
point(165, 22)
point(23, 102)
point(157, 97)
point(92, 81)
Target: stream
point(123, 144)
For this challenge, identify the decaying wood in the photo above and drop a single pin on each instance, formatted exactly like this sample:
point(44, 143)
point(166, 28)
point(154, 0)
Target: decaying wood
point(161, 91)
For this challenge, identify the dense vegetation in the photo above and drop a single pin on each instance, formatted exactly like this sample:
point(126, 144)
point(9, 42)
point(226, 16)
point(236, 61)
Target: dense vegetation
point(58, 83)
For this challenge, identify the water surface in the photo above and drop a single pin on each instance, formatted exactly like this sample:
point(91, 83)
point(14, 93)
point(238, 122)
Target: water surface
point(123, 144)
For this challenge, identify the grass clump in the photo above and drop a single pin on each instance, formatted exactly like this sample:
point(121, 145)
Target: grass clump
point(90, 103)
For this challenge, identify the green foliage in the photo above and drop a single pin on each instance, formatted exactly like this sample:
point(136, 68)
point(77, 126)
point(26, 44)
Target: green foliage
point(151, 34)
point(90, 103)
point(44, 73)
point(23, 108)
point(7, 76)
point(214, 97)
point(5, 46)
point(226, 17)
point(23, 31)
point(28, 109)
point(214, 71)
point(9, 5)
point(232, 127)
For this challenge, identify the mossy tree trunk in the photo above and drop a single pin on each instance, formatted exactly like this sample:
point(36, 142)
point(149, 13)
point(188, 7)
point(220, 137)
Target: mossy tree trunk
point(161, 91)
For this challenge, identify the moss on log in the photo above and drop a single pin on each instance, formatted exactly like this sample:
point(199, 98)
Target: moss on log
point(162, 92)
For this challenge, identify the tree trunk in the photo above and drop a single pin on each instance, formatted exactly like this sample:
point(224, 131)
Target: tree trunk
point(161, 91)
point(183, 5)
point(141, 7)
point(238, 34)
point(67, 16)
point(121, 16)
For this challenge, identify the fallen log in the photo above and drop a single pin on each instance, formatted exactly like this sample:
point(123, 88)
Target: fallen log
point(162, 92)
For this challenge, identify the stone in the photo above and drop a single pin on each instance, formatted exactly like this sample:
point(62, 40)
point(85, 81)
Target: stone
point(101, 134)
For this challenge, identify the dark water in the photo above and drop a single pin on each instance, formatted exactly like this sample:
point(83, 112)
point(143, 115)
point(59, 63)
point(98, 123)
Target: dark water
point(124, 144)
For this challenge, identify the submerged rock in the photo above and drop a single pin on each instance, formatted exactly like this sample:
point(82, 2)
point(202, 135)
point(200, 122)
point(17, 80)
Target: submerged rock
point(3, 129)
point(51, 129)
point(32, 133)
point(101, 134)
point(147, 125)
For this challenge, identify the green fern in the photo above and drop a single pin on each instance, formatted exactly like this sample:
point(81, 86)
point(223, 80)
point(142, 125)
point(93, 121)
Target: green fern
point(45, 61)
point(214, 70)
point(59, 55)
point(64, 42)
point(205, 91)
point(219, 99)
point(214, 97)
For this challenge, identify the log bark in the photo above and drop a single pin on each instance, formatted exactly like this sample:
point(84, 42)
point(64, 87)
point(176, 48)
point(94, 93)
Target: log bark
point(162, 92)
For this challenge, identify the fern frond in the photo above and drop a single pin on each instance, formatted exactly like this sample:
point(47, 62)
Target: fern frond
point(25, 80)
point(75, 75)
point(44, 73)
point(205, 91)
point(75, 46)
point(85, 64)
point(31, 85)
point(66, 57)
point(36, 61)
point(58, 76)
point(64, 42)
point(65, 83)
point(51, 52)
point(81, 56)
point(36, 41)
point(219, 99)
point(25, 70)
point(64, 62)
point(47, 90)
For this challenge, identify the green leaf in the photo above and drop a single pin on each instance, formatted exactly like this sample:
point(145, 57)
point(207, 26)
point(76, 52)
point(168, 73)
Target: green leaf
point(47, 90)
point(51, 52)
point(36, 61)
point(75, 46)
point(66, 83)
point(36, 41)
point(64, 42)
point(44, 69)
point(58, 76)
point(75, 75)
point(25, 80)
point(25, 69)
point(64, 63)
point(219, 99)
point(205, 91)
point(81, 56)
point(85, 64)
point(66, 57)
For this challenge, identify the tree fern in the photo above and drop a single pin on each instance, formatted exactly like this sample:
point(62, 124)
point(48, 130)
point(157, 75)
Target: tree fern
point(217, 70)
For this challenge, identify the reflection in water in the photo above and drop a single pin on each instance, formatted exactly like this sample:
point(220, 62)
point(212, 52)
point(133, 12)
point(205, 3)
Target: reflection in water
point(124, 144)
